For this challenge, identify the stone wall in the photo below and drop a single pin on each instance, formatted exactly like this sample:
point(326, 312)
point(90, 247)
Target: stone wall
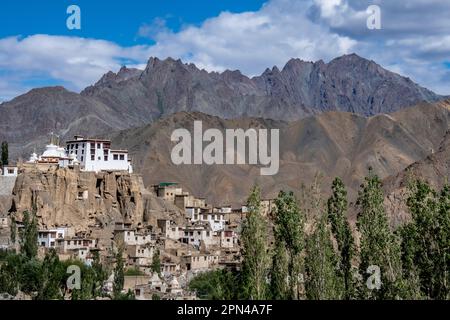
point(6, 185)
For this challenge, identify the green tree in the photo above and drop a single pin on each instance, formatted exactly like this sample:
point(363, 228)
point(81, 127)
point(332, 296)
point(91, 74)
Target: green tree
point(255, 258)
point(4, 155)
point(52, 275)
point(29, 235)
point(323, 275)
point(13, 230)
point(118, 274)
point(340, 227)
point(288, 230)
point(426, 239)
point(99, 275)
point(279, 275)
point(156, 262)
point(378, 245)
point(30, 275)
point(10, 274)
point(215, 285)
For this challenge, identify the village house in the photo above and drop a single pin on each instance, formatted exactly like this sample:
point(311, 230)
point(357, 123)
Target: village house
point(170, 229)
point(132, 237)
point(168, 191)
point(215, 219)
point(185, 200)
point(199, 234)
point(200, 261)
point(75, 243)
point(84, 254)
point(169, 268)
point(228, 238)
point(9, 171)
point(140, 255)
point(48, 238)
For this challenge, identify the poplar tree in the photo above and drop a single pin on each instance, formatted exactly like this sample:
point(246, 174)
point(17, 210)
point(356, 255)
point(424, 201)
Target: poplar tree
point(379, 247)
point(288, 230)
point(337, 216)
point(279, 275)
point(426, 239)
point(28, 235)
point(119, 277)
point(52, 273)
point(4, 154)
point(156, 262)
point(323, 277)
point(100, 274)
point(254, 250)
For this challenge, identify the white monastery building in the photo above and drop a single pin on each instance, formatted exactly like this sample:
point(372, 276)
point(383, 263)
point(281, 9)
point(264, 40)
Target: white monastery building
point(90, 154)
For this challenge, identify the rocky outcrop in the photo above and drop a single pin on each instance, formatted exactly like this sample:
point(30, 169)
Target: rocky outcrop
point(86, 200)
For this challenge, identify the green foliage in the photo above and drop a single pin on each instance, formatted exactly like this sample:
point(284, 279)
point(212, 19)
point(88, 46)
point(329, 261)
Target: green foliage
point(379, 246)
point(129, 295)
point(156, 297)
point(323, 275)
point(51, 276)
point(118, 275)
point(91, 278)
point(99, 275)
point(279, 276)
point(133, 272)
point(255, 258)
point(289, 243)
point(215, 285)
point(426, 240)
point(13, 230)
point(46, 279)
point(337, 217)
point(28, 235)
point(156, 262)
point(10, 274)
point(4, 154)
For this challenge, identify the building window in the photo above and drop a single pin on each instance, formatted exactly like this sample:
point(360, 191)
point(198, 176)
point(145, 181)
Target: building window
point(122, 157)
point(82, 151)
point(82, 158)
point(116, 157)
point(92, 157)
point(98, 145)
point(99, 158)
point(106, 158)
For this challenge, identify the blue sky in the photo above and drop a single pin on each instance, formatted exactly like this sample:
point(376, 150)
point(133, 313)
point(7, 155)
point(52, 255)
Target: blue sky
point(37, 49)
point(117, 21)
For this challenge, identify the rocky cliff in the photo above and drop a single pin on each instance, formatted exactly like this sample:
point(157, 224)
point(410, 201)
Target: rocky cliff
point(86, 200)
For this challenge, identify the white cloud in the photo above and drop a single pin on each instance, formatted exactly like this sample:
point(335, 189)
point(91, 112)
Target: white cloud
point(252, 41)
point(413, 41)
point(76, 62)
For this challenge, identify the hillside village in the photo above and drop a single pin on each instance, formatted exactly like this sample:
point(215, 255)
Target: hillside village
point(184, 233)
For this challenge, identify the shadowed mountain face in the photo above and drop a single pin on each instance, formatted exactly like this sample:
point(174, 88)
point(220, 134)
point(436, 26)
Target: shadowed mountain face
point(333, 143)
point(133, 98)
point(349, 83)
